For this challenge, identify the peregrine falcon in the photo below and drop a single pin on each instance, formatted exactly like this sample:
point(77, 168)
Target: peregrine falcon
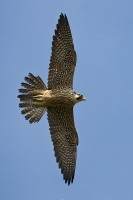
point(57, 98)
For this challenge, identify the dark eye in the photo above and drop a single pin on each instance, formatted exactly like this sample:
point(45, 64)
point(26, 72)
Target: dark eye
point(80, 97)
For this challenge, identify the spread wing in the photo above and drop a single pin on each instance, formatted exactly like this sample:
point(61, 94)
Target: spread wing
point(63, 58)
point(64, 138)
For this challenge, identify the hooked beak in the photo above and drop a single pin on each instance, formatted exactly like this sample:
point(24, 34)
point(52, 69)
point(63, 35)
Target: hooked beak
point(84, 99)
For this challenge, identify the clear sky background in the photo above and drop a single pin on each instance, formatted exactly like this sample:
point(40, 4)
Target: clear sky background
point(103, 37)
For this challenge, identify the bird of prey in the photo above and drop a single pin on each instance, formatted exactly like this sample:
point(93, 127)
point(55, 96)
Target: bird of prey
point(57, 98)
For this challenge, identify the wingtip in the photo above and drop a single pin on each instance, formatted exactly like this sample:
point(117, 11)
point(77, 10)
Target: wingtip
point(68, 179)
point(63, 16)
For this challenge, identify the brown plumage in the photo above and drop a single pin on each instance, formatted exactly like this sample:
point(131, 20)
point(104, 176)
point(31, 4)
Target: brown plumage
point(63, 58)
point(58, 99)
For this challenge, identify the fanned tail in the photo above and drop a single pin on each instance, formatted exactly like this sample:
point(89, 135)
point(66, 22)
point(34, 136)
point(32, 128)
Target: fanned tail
point(32, 110)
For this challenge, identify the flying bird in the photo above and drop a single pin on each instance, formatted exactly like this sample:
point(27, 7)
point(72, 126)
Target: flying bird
point(57, 98)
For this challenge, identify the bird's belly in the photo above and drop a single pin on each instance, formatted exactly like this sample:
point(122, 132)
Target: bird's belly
point(53, 98)
point(58, 100)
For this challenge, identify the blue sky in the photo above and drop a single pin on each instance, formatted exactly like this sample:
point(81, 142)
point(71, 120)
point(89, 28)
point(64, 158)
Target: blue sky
point(103, 38)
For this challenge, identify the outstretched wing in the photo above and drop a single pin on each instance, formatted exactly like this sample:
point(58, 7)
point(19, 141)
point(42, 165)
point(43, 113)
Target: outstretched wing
point(64, 138)
point(63, 58)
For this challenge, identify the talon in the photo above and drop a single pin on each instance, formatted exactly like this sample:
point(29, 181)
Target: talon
point(37, 97)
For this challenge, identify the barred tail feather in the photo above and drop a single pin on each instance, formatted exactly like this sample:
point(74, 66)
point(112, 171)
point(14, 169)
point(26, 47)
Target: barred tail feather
point(32, 110)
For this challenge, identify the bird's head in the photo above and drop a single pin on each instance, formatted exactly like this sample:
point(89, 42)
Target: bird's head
point(79, 97)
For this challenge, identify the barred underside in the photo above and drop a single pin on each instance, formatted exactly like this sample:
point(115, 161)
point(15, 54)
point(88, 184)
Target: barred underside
point(31, 108)
point(63, 57)
point(65, 139)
